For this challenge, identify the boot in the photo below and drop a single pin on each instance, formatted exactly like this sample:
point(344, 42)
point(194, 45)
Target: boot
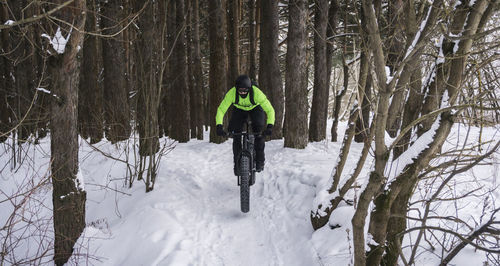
point(259, 166)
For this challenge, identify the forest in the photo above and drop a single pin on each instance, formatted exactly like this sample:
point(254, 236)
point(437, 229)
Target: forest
point(408, 91)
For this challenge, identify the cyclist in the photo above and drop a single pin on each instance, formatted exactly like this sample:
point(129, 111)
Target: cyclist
point(249, 101)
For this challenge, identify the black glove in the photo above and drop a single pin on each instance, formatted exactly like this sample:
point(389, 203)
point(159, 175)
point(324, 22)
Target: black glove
point(220, 131)
point(268, 131)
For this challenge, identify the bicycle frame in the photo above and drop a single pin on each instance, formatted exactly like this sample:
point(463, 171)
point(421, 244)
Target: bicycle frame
point(247, 148)
point(246, 165)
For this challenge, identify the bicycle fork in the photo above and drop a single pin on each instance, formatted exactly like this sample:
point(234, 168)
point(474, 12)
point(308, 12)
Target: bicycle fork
point(247, 150)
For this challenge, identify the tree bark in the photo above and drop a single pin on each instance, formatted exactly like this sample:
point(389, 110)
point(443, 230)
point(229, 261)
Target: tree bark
point(68, 195)
point(23, 71)
point(296, 106)
point(234, 39)
point(129, 39)
point(330, 33)
point(148, 101)
point(162, 82)
point(252, 36)
point(377, 175)
point(42, 107)
point(218, 62)
point(345, 68)
point(363, 84)
point(180, 90)
point(412, 108)
point(413, 73)
point(363, 122)
point(319, 107)
point(404, 18)
point(116, 109)
point(5, 80)
point(436, 88)
point(90, 100)
point(198, 72)
point(269, 69)
point(396, 225)
point(336, 108)
point(191, 82)
point(167, 95)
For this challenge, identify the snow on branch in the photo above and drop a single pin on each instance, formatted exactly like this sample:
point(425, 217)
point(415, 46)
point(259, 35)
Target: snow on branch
point(59, 41)
point(43, 90)
point(419, 32)
point(422, 143)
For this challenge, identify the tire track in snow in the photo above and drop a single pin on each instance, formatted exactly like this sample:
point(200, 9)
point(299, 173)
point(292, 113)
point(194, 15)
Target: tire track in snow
point(200, 203)
point(184, 186)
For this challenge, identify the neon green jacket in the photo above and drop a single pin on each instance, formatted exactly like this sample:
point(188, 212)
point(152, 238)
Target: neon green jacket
point(245, 104)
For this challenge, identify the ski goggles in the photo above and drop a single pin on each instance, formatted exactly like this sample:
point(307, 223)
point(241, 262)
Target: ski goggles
point(243, 90)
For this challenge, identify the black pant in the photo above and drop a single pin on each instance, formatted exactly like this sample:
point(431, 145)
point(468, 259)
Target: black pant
point(258, 118)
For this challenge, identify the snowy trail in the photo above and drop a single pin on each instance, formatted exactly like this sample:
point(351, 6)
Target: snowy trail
point(193, 215)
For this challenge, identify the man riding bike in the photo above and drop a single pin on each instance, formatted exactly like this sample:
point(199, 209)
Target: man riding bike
point(249, 101)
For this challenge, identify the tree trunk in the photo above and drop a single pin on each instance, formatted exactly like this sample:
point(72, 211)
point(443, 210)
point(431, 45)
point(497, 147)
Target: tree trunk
point(345, 72)
point(436, 87)
point(198, 72)
point(269, 69)
point(296, 106)
point(42, 107)
point(68, 194)
point(161, 32)
point(338, 105)
point(396, 47)
point(167, 94)
point(330, 33)
point(23, 71)
point(234, 39)
point(5, 80)
point(412, 108)
point(191, 82)
point(116, 109)
point(363, 86)
point(147, 105)
point(363, 122)
point(377, 175)
point(129, 39)
point(252, 36)
point(218, 62)
point(39, 112)
point(319, 107)
point(90, 100)
point(330, 49)
point(180, 90)
point(396, 225)
point(383, 210)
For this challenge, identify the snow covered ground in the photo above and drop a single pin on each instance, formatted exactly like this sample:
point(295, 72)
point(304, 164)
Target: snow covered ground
point(193, 217)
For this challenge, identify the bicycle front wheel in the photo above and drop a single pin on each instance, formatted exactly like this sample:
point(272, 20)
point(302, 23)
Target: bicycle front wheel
point(245, 183)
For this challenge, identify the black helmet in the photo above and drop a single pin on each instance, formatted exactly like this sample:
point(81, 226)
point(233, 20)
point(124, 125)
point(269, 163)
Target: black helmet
point(243, 81)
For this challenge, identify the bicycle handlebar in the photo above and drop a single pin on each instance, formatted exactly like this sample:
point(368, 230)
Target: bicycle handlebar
point(233, 134)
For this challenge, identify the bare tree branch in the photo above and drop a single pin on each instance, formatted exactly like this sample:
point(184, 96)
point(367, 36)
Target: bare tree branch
point(35, 18)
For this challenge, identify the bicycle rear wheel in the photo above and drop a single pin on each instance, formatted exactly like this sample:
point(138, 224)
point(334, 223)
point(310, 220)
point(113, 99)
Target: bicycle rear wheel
point(245, 183)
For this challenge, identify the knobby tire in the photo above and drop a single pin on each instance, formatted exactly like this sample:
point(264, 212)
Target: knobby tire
point(245, 183)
